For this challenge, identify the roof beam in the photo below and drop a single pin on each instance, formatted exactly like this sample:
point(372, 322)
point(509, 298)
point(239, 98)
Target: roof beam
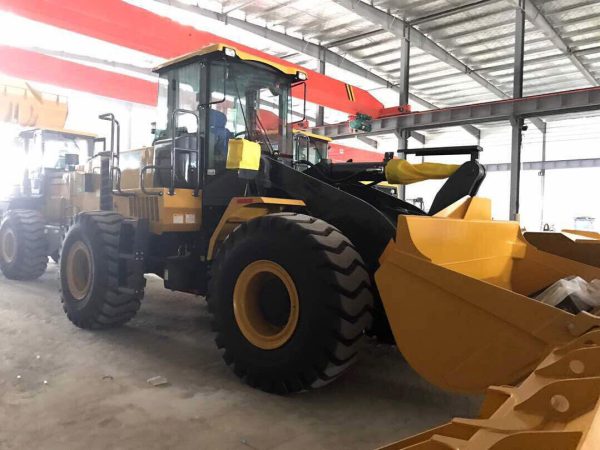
point(537, 18)
point(353, 38)
point(547, 165)
point(369, 141)
point(448, 12)
point(556, 103)
point(396, 26)
point(308, 48)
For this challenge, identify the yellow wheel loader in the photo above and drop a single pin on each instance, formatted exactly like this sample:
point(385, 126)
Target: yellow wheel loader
point(38, 210)
point(296, 257)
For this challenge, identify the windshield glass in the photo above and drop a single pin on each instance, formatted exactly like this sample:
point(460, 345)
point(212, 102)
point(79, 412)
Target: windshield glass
point(187, 97)
point(309, 149)
point(251, 101)
point(234, 99)
point(57, 146)
point(178, 89)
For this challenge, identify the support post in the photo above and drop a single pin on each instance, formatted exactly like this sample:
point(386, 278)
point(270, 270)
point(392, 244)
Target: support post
point(402, 145)
point(404, 134)
point(321, 109)
point(517, 122)
point(542, 175)
point(404, 65)
point(515, 166)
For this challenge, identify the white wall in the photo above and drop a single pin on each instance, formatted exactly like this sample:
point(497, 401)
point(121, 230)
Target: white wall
point(569, 193)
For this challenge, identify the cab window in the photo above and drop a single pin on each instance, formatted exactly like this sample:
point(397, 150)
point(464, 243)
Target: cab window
point(188, 93)
point(178, 89)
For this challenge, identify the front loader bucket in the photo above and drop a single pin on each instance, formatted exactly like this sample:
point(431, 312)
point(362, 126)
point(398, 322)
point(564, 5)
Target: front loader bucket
point(555, 408)
point(582, 246)
point(455, 292)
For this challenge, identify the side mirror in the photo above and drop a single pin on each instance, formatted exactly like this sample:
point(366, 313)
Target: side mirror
point(71, 159)
point(304, 119)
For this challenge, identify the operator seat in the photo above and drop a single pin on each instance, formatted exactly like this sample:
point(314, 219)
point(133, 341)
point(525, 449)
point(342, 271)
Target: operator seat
point(465, 181)
point(185, 161)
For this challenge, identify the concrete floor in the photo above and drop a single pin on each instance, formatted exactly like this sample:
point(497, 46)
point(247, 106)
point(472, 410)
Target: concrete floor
point(66, 388)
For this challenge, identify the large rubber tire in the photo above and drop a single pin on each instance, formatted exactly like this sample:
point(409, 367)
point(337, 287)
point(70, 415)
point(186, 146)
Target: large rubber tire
point(24, 232)
point(90, 273)
point(334, 293)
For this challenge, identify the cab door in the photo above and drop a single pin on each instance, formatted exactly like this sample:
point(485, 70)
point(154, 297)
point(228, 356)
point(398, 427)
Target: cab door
point(180, 132)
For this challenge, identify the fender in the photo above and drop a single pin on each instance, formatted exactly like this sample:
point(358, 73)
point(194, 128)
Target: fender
point(243, 209)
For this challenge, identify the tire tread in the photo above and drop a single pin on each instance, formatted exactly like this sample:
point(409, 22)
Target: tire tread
point(351, 303)
point(32, 262)
point(118, 305)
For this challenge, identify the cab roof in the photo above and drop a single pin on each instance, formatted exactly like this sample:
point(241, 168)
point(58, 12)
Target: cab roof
point(234, 53)
point(29, 132)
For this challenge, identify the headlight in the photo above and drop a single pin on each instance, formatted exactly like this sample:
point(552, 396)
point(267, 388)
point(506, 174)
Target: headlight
point(229, 52)
point(301, 75)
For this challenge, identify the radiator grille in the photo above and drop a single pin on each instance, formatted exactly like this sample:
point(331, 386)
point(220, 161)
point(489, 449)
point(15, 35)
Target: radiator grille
point(144, 208)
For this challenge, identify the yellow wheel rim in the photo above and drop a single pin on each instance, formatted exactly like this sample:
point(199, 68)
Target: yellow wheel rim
point(8, 245)
point(253, 306)
point(79, 270)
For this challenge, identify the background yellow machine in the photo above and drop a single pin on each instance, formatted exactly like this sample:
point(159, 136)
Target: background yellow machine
point(20, 103)
point(298, 258)
point(53, 188)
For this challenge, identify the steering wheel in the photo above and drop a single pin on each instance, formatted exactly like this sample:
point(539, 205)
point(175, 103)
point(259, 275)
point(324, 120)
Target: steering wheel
point(239, 133)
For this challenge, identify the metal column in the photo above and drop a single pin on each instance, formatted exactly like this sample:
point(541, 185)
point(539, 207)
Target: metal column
point(404, 77)
point(517, 122)
point(321, 109)
point(542, 174)
point(404, 134)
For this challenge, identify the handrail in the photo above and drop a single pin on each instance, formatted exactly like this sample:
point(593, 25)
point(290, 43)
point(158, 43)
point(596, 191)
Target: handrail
point(143, 187)
point(117, 190)
point(174, 115)
point(115, 154)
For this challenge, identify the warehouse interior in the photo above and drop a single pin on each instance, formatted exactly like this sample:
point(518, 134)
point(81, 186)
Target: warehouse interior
point(277, 224)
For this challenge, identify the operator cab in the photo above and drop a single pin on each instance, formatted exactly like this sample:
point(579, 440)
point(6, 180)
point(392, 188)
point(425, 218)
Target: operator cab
point(210, 97)
point(51, 148)
point(309, 148)
point(47, 151)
